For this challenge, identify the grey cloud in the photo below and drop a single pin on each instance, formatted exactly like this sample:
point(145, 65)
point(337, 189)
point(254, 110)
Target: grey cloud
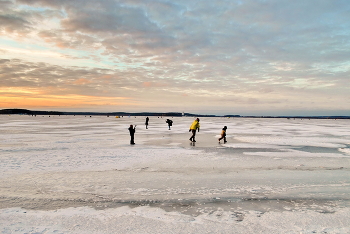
point(76, 41)
point(18, 73)
point(2, 61)
point(98, 16)
point(220, 25)
point(22, 22)
point(118, 20)
point(71, 80)
point(13, 23)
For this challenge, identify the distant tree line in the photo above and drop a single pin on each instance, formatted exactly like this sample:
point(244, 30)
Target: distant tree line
point(28, 112)
point(33, 112)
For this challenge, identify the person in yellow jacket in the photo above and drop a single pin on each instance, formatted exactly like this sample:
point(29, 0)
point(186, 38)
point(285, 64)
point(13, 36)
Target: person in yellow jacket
point(194, 126)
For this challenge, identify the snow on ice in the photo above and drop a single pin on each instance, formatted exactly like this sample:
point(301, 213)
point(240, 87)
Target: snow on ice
point(76, 174)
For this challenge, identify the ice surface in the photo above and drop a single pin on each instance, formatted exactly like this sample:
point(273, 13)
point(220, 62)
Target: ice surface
point(77, 174)
point(156, 220)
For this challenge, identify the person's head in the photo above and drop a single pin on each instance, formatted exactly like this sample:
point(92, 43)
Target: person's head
point(130, 125)
point(225, 127)
point(197, 119)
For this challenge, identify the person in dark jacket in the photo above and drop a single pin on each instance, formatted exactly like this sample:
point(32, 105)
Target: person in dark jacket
point(146, 123)
point(132, 133)
point(169, 122)
point(223, 134)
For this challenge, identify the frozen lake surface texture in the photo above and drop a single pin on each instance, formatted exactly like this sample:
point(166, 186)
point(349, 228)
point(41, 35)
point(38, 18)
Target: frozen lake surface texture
point(79, 174)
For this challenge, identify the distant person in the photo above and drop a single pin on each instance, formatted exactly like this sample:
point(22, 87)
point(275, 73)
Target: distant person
point(146, 123)
point(132, 134)
point(169, 122)
point(223, 134)
point(194, 126)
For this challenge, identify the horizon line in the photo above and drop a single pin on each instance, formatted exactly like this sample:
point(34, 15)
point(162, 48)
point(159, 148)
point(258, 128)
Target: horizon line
point(171, 113)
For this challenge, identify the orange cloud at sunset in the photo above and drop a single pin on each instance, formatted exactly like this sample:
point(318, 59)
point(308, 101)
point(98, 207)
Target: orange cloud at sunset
point(81, 81)
point(152, 84)
point(24, 98)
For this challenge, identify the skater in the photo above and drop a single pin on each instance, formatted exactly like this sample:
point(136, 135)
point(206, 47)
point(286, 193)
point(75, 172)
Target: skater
point(194, 126)
point(169, 122)
point(223, 134)
point(146, 123)
point(132, 133)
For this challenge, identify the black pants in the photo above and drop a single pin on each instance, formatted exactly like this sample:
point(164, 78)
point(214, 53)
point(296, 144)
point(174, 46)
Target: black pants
point(223, 137)
point(193, 135)
point(132, 139)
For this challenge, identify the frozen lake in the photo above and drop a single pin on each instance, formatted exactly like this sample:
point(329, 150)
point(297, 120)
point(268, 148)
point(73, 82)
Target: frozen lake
point(77, 174)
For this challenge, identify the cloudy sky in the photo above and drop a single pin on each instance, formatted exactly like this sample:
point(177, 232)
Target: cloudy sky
point(248, 57)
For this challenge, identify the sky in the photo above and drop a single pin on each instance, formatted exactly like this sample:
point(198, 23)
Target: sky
point(251, 57)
